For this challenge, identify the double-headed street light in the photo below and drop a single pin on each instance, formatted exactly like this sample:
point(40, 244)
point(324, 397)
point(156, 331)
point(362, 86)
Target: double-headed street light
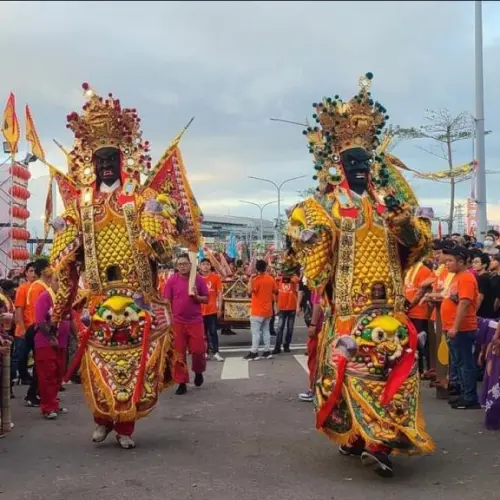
point(278, 188)
point(261, 208)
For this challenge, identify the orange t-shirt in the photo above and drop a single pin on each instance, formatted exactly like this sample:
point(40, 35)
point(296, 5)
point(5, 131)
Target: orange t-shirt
point(462, 286)
point(443, 280)
point(214, 285)
point(35, 290)
point(287, 295)
point(263, 291)
point(416, 275)
point(20, 301)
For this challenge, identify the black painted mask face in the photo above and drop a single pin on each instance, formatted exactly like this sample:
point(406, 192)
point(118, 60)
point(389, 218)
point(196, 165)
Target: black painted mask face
point(107, 162)
point(357, 163)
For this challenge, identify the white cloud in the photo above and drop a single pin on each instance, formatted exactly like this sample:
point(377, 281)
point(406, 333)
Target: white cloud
point(234, 65)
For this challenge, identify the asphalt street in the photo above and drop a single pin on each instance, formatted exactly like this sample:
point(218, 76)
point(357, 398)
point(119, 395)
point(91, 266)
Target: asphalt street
point(242, 436)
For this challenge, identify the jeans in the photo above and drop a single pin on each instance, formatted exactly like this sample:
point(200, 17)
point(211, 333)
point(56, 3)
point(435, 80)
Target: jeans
point(462, 356)
point(453, 377)
point(20, 359)
point(260, 329)
point(286, 318)
point(210, 323)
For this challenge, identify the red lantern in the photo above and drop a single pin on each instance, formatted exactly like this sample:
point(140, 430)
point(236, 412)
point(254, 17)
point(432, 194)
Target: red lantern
point(19, 234)
point(20, 192)
point(20, 171)
point(19, 213)
point(19, 254)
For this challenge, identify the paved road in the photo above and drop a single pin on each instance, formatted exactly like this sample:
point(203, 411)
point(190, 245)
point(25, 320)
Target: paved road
point(237, 439)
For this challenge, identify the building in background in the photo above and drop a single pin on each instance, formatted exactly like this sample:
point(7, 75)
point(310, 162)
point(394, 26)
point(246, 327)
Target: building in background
point(217, 228)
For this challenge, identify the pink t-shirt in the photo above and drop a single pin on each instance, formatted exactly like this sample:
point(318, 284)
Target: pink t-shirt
point(43, 310)
point(184, 308)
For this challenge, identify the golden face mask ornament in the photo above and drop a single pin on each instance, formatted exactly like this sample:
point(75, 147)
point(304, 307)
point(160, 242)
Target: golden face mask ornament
point(381, 339)
point(119, 320)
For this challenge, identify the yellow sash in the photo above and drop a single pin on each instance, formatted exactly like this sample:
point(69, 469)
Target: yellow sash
point(46, 287)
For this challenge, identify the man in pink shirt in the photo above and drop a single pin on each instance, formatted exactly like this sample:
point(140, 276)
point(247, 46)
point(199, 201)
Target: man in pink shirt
point(189, 331)
point(51, 344)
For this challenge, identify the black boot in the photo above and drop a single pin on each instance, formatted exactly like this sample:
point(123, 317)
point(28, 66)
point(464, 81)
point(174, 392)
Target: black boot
point(198, 379)
point(182, 389)
point(379, 462)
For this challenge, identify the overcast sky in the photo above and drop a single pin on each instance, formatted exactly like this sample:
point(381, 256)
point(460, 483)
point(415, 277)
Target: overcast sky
point(235, 65)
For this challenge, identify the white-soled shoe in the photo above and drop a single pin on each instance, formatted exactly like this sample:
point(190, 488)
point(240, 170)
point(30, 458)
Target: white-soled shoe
point(11, 424)
point(100, 434)
point(218, 357)
point(125, 442)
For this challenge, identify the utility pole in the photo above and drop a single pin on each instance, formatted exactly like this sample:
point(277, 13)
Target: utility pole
point(261, 208)
point(278, 188)
point(482, 220)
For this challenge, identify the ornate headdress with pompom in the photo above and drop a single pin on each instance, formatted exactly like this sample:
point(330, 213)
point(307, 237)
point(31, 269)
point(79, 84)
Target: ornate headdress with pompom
point(357, 123)
point(104, 123)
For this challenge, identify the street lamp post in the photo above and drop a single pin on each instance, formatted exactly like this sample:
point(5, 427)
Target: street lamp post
point(278, 188)
point(482, 221)
point(261, 208)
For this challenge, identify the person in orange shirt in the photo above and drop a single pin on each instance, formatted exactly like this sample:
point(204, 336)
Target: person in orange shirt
point(213, 309)
point(20, 355)
point(263, 291)
point(418, 312)
point(288, 287)
point(458, 316)
point(43, 273)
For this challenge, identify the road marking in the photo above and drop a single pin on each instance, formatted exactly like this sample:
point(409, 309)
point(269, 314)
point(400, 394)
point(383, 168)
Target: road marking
point(302, 359)
point(234, 368)
point(293, 347)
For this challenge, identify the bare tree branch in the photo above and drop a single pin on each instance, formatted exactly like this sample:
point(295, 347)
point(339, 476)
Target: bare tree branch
point(432, 153)
point(445, 129)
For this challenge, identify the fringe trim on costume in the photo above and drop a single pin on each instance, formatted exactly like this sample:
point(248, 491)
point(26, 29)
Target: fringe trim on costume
point(139, 386)
point(91, 376)
point(168, 359)
point(422, 446)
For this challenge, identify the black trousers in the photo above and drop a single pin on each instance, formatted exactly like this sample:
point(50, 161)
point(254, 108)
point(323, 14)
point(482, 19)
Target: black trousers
point(422, 325)
point(32, 393)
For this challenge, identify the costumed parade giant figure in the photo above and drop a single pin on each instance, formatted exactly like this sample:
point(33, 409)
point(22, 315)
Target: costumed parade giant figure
point(117, 229)
point(355, 239)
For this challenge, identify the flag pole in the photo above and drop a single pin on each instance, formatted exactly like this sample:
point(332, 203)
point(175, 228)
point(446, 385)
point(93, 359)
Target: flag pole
point(481, 215)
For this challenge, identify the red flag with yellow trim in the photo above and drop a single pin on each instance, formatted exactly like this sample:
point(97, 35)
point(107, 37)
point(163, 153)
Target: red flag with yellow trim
point(32, 136)
point(10, 124)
